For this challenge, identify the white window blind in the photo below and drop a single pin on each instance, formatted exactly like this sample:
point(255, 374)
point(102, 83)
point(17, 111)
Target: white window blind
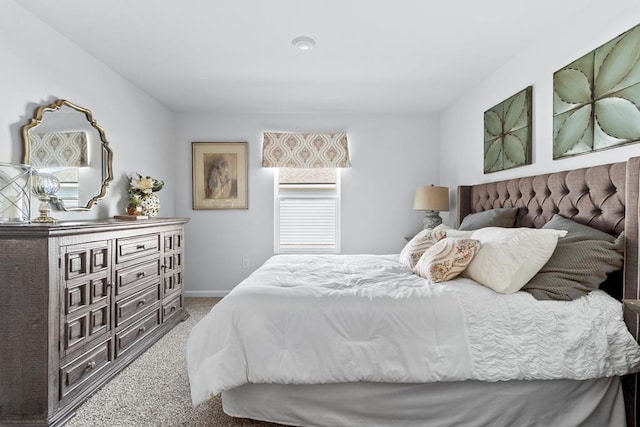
point(307, 211)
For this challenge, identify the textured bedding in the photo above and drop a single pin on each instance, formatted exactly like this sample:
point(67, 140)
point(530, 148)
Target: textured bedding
point(311, 319)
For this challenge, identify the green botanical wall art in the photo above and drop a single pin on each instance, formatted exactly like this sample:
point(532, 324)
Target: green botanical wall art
point(507, 133)
point(596, 98)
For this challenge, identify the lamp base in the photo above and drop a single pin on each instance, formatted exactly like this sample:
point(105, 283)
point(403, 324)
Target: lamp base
point(45, 210)
point(431, 219)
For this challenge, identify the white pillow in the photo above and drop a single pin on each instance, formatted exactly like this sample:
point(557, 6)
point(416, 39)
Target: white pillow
point(510, 257)
point(454, 232)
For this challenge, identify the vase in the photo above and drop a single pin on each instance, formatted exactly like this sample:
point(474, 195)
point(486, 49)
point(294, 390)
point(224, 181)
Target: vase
point(150, 204)
point(44, 186)
point(135, 210)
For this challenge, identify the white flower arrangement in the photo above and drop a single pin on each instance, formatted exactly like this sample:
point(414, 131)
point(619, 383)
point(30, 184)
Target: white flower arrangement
point(142, 185)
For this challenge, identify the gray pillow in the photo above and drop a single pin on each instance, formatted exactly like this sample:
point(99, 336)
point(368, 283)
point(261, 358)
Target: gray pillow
point(500, 217)
point(580, 263)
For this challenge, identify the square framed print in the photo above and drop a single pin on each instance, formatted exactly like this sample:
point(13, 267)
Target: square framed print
point(507, 133)
point(596, 99)
point(220, 175)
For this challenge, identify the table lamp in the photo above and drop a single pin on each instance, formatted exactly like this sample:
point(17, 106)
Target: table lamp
point(432, 200)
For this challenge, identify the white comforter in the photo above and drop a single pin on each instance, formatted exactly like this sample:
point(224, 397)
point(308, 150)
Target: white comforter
point(308, 319)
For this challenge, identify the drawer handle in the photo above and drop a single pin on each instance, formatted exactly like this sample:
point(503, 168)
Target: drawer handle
point(173, 308)
point(91, 364)
point(140, 303)
point(141, 274)
point(140, 247)
point(142, 329)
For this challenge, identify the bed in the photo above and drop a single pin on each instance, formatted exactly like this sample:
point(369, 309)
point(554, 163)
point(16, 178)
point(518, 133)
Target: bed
point(363, 340)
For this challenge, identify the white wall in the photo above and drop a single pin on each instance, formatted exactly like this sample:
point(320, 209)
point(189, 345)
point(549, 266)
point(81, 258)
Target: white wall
point(391, 157)
point(461, 125)
point(39, 66)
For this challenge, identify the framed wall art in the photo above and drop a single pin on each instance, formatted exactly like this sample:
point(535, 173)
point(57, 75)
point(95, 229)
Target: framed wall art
point(596, 98)
point(219, 175)
point(507, 133)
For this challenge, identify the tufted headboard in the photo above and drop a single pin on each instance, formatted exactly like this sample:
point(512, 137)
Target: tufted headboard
point(604, 197)
point(594, 196)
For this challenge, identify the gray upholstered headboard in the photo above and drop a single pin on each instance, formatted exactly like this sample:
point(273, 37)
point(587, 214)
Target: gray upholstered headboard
point(604, 197)
point(594, 196)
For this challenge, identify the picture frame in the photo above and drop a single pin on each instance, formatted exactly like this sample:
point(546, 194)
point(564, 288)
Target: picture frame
point(220, 175)
point(595, 99)
point(508, 133)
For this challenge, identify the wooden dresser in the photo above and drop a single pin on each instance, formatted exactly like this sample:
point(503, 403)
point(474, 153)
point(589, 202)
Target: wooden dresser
point(78, 302)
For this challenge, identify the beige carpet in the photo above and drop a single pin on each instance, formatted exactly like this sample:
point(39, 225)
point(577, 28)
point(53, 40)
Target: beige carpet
point(154, 389)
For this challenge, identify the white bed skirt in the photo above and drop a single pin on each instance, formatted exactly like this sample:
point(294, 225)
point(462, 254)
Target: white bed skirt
point(598, 402)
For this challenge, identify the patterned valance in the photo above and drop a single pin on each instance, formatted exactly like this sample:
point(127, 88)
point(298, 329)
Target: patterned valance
point(55, 149)
point(305, 150)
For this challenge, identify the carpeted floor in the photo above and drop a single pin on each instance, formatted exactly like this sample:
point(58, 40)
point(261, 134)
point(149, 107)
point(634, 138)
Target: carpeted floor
point(154, 389)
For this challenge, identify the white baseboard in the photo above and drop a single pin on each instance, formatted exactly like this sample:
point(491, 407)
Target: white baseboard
point(205, 294)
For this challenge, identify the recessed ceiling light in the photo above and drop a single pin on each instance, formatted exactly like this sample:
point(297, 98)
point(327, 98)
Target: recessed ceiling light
point(303, 43)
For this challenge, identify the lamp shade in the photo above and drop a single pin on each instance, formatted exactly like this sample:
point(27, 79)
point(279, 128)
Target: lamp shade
point(431, 198)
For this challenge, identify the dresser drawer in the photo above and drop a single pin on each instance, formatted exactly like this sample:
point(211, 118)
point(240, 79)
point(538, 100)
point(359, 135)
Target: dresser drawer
point(136, 303)
point(135, 277)
point(129, 336)
point(80, 370)
point(171, 307)
point(135, 247)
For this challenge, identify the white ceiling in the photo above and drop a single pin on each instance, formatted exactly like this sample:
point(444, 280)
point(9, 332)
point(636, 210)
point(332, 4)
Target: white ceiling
point(371, 56)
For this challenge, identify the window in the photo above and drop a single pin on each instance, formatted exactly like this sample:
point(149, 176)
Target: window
point(307, 210)
point(307, 189)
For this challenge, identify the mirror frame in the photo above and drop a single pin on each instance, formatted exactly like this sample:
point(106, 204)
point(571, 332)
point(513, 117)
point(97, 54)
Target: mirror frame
point(37, 119)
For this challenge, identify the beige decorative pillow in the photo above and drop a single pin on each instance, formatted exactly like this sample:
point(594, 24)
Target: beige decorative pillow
point(422, 241)
point(446, 259)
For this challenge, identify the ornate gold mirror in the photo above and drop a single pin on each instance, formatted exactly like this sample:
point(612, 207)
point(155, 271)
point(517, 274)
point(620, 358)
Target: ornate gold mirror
point(64, 140)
